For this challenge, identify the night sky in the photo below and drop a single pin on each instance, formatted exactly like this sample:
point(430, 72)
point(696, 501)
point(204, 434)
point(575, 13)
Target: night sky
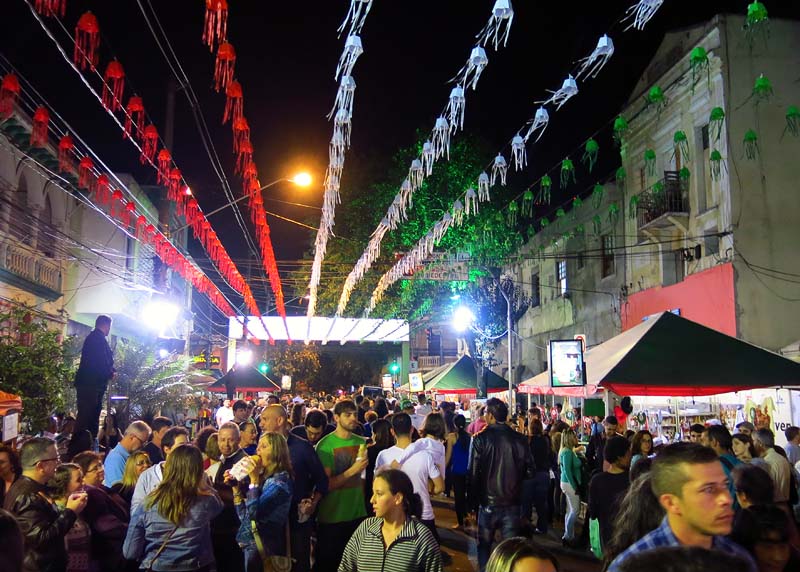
point(287, 54)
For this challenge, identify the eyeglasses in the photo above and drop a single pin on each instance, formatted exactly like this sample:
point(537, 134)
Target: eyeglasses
point(56, 458)
point(142, 441)
point(94, 469)
point(143, 463)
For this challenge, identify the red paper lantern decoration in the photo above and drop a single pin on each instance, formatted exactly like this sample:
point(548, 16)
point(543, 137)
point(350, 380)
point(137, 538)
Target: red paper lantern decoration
point(149, 144)
point(116, 200)
point(86, 179)
point(141, 222)
point(134, 115)
point(113, 86)
point(174, 187)
point(164, 162)
point(215, 27)
point(127, 213)
point(51, 7)
point(103, 190)
point(241, 132)
point(9, 93)
point(87, 41)
point(223, 69)
point(41, 119)
point(65, 148)
point(244, 157)
point(234, 101)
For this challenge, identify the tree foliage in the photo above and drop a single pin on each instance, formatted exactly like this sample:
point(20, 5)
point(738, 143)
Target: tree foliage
point(300, 362)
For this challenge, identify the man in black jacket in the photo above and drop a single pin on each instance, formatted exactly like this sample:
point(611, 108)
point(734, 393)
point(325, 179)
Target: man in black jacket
point(595, 452)
point(225, 526)
point(500, 461)
point(94, 372)
point(43, 525)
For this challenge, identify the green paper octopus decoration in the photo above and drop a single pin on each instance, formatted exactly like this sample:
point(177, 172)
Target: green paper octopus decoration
point(633, 206)
point(792, 120)
point(751, 144)
point(590, 152)
point(620, 176)
point(513, 210)
point(560, 214)
point(620, 129)
point(650, 162)
point(715, 123)
point(597, 195)
point(613, 214)
point(597, 225)
point(698, 63)
point(715, 164)
point(680, 145)
point(545, 186)
point(531, 232)
point(658, 188)
point(762, 89)
point(656, 98)
point(579, 230)
point(577, 203)
point(544, 223)
point(684, 175)
point(756, 23)
point(527, 203)
point(567, 172)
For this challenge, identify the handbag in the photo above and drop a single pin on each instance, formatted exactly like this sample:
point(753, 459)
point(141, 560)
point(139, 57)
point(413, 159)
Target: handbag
point(273, 563)
point(161, 548)
point(594, 538)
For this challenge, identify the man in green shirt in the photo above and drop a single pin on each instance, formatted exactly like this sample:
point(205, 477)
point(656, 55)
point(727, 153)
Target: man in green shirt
point(344, 457)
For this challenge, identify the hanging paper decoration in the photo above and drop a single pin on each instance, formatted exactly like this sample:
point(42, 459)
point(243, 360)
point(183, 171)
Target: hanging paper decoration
point(353, 48)
point(116, 199)
point(134, 116)
point(9, 93)
point(51, 7)
point(597, 195)
point(762, 89)
point(757, 22)
point(680, 145)
point(86, 179)
point(613, 214)
point(455, 108)
point(428, 157)
point(642, 12)
point(715, 121)
point(596, 61)
point(441, 138)
point(531, 232)
point(684, 175)
point(128, 212)
point(87, 41)
point(657, 99)
point(174, 186)
point(215, 27)
point(224, 66)
point(579, 230)
point(751, 144)
point(577, 203)
point(527, 203)
point(698, 63)
point(164, 163)
point(633, 207)
point(569, 88)
point(560, 214)
point(590, 152)
point(518, 153)
point(344, 96)
point(356, 16)
point(597, 225)
point(499, 25)
point(471, 72)
point(244, 157)
point(658, 188)
point(792, 120)
point(234, 101)
point(471, 201)
point(513, 209)
point(65, 148)
point(141, 223)
point(650, 162)
point(416, 174)
point(458, 212)
point(113, 86)
point(544, 223)
point(103, 190)
point(241, 133)
point(41, 121)
point(620, 176)
point(499, 168)
point(149, 144)
point(715, 160)
point(545, 187)
point(540, 121)
point(620, 129)
point(483, 185)
point(567, 173)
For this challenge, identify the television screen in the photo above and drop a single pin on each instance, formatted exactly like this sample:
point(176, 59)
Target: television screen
point(566, 364)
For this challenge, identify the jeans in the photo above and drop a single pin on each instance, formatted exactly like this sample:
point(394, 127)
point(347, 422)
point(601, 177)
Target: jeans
point(573, 507)
point(331, 540)
point(460, 493)
point(490, 519)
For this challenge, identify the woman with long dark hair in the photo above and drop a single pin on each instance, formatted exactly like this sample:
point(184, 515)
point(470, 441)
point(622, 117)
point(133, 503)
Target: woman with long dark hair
point(10, 469)
point(68, 479)
point(536, 490)
point(171, 529)
point(394, 539)
point(641, 446)
point(458, 454)
point(382, 439)
point(110, 433)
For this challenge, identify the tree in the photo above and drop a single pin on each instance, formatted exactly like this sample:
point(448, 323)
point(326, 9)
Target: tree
point(300, 362)
point(37, 366)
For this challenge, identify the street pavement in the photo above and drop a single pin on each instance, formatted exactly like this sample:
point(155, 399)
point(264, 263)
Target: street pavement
point(463, 547)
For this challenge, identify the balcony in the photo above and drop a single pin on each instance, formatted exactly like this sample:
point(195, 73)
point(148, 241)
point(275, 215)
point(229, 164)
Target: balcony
point(28, 270)
point(427, 363)
point(664, 205)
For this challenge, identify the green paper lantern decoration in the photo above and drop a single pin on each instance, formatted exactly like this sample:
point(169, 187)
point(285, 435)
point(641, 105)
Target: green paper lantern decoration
point(633, 207)
point(597, 225)
point(513, 210)
point(657, 99)
point(527, 203)
point(680, 144)
point(613, 214)
point(751, 144)
point(620, 129)
point(658, 188)
point(545, 185)
point(650, 162)
point(577, 203)
point(597, 195)
point(560, 214)
point(567, 172)
point(590, 152)
point(620, 176)
point(698, 63)
point(756, 23)
point(544, 223)
point(792, 120)
point(715, 122)
point(684, 175)
point(762, 89)
point(715, 164)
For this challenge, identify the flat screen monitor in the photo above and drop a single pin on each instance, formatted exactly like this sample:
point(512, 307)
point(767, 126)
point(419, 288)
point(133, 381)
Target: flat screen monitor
point(567, 368)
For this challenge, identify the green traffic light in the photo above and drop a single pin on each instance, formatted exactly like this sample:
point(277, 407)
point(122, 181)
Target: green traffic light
point(263, 367)
point(394, 368)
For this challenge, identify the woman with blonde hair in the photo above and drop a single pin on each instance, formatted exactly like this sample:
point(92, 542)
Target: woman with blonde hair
point(171, 529)
point(264, 514)
point(570, 466)
point(136, 464)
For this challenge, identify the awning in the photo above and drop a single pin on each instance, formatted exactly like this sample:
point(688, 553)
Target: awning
point(668, 355)
point(244, 379)
point(460, 377)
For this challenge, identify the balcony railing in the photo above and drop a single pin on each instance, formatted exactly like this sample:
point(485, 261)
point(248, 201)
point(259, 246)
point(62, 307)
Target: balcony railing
point(29, 270)
point(667, 196)
point(431, 362)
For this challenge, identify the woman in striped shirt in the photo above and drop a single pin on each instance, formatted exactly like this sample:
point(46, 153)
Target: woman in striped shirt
point(394, 540)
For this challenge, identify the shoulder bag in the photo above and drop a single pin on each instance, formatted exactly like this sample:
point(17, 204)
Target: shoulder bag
point(273, 563)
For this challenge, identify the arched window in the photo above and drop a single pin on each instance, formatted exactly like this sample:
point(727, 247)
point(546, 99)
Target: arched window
point(46, 240)
point(19, 221)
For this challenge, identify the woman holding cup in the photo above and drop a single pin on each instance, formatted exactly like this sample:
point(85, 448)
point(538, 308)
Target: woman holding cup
point(68, 482)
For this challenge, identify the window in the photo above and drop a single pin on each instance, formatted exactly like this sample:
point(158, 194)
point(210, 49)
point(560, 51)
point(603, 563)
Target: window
point(711, 243)
point(561, 276)
point(704, 136)
point(535, 289)
point(607, 255)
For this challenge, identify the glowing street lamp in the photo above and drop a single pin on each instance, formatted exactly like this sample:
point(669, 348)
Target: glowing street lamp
point(463, 318)
point(302, 179)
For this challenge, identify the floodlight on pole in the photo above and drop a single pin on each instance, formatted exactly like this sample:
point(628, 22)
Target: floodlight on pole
point(159, 314)
point(244, 357)
point(463, 318)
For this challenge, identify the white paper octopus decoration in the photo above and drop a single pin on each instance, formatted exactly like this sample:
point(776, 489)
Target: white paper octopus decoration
point(352, 49)
point(471, 201)
point(483, 187)
point(344, 96)
point(416, 174)
point(407, 192)
point(568, 89)
point(356, 16)
point(499, 25)
point(642, 12)
point(471, 73)
point(540, 121)
point(343, 125)
point(592, 64)
point(499, 168)
point(455, 108)
point(441, 138)
point(428, 157)
point(458, 212)
point(518, 153)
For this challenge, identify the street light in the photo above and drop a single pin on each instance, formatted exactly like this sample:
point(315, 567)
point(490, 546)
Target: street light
point(244, 357)
point(301, 179)
point(158, 314)
point(463, 318)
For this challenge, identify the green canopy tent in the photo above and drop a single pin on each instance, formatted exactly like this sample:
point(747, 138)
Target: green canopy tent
point(245, 379)
point(461, 377)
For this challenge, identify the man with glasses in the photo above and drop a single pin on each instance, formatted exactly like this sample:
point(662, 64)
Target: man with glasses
point(136, 435)
point(43, 524)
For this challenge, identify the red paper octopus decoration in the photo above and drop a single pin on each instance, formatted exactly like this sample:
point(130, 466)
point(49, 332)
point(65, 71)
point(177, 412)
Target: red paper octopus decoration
point(134, 116)
point(65, 148)
point(234, 101)
point(223, 69)
point(87, 41)
point(41, 119)
point(9, 93)
point(215, 27)
point(149, 144)
point(113, 86)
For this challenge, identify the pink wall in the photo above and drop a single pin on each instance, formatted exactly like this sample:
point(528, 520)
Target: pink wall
point(707, 298)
